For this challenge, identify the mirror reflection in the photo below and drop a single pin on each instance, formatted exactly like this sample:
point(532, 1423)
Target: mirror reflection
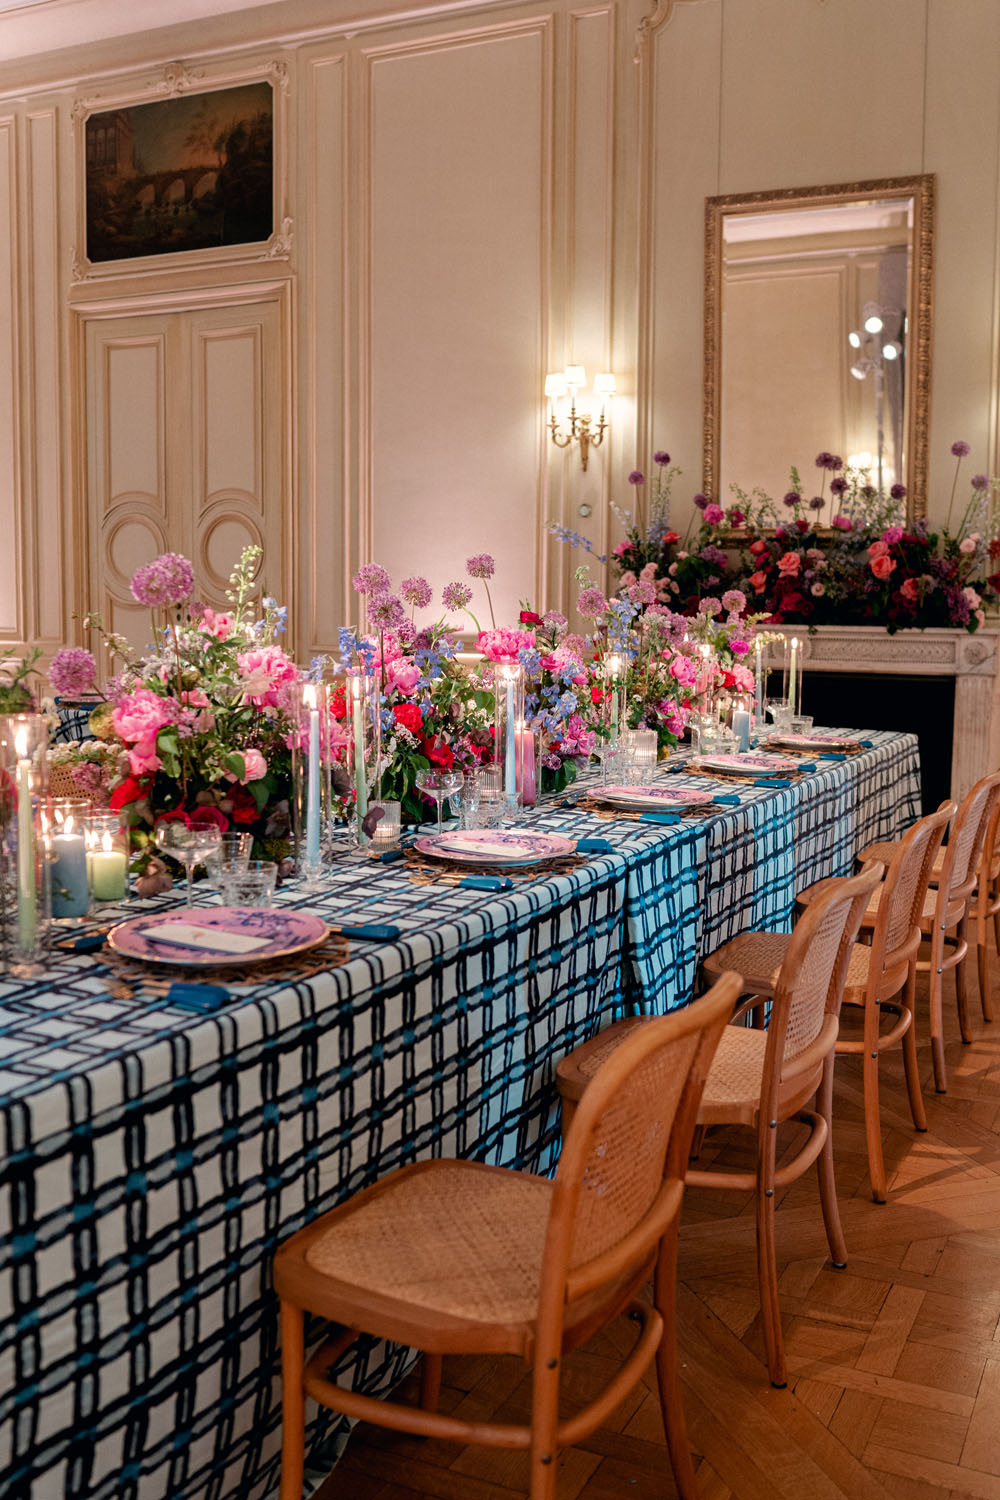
point(817, 335)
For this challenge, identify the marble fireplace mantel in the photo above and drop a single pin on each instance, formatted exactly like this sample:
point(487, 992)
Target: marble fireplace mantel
point(973, 660)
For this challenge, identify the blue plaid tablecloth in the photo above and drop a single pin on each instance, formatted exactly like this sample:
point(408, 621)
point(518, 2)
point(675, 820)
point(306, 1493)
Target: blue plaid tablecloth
point(153, 1158)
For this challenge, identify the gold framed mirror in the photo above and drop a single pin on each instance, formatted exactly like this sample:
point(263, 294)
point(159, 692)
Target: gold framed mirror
point(818, 335)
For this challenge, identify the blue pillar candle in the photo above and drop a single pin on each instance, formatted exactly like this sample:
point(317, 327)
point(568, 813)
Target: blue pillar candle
point(741, 729)
point(68, 875)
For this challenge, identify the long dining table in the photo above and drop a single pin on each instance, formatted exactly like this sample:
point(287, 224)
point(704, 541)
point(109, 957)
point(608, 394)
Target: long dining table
point(154, 1156)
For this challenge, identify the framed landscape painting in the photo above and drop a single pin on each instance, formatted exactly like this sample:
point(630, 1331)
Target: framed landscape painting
point(194, 172)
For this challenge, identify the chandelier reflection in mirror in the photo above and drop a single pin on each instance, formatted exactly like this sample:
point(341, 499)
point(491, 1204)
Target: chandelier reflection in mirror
point(584, 425)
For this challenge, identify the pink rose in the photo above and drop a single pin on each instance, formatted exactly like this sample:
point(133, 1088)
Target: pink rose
point(254, 766)
point(877, 550)
point(967, 545)
point(758, 547)
point(757, 582)
point(910, 590)
point(883, 566)
point(817, 589)
point(789, 564)
point(842, 523)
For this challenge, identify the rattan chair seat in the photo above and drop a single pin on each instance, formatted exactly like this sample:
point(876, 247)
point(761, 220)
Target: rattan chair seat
point(457, 1241)
point(734, 1078)
point(758, 956)
point(606, 1042)
point(886, 849)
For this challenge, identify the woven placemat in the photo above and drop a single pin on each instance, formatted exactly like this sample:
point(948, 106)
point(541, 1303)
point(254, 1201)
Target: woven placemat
point(423, 871)
point(129, 976)
point(633, 815)
point(724, 776)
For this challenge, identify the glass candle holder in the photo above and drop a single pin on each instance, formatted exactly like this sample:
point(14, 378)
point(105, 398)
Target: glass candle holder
point(386, 834)
point(107, 856)
point(66, 850)
point(312, 765)
point(508, 720)
point(364, 741)
point(23, 835)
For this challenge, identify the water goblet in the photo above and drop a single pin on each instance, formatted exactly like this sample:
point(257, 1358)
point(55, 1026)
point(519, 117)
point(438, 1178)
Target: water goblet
point(188, 846)
point(438, 784)
point(467, 797)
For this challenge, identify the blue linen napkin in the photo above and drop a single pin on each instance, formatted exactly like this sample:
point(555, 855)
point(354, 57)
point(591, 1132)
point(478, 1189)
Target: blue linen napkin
point(370, 932)
point(486, 883)
point(658, 817)
point(832, 755)
point(390, 856)
point(867, 744)
point(773, 781)
point(807, 765)
point(730, 799)
point(199, 997)
point(89, 943)
point(594, 846)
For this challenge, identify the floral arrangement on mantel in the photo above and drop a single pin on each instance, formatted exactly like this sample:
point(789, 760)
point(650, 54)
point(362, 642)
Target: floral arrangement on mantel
point(841, 557)
point(198, 728)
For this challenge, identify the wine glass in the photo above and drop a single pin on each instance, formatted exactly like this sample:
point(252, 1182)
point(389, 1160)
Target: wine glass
point(439, 785)
point(188, 846)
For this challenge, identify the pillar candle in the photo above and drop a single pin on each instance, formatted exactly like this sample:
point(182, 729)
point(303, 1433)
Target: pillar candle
point(27, 914)
point(758, 693)
point(612, 670)
point(68, 873)
point(792, 672)
point(510, 742)
point(360, 780)
point(741, 726)
point(108, 868)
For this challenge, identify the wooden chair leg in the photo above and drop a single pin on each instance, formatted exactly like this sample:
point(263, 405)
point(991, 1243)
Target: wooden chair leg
point(668, 1368)
point(430, 1382)
point(983, 966)
point(767, 1262)
point(873, 1126)
point(935, 986)
point(911, 1065)
point(293, 1407)
point(961, 987)
point(827, 1179)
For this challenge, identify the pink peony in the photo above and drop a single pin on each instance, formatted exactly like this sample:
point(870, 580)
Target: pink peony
point(684, 671)
point(503, 645)
point(139, 717)
point(714, 515)
point(401, 676)
point(267, 668)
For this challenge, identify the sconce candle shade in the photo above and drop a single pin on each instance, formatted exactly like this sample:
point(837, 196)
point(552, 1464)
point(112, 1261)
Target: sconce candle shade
point(582, 426)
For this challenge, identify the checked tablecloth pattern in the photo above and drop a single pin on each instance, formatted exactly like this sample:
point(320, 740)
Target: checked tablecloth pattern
point(153, 1158)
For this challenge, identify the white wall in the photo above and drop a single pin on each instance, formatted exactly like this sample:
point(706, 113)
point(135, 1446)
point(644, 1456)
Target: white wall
point(474, 197)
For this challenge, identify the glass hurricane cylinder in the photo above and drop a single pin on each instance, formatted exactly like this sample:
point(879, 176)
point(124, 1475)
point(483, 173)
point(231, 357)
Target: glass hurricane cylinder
point(364, 746)
point(25, 902)
point(66, 850)
point(107, 856)
point(312, 766)
point(508, 731)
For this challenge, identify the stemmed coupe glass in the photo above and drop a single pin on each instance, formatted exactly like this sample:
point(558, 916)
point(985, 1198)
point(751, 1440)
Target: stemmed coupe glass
point(188, 846)
point(439, 785)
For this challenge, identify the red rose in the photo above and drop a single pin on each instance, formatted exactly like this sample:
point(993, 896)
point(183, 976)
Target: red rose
point(757, 582)
point(338, 703)
point(597, 695)
point(438, 754)
point(177, 816)
point(669, 537)
point(802, 525)
point(409, 716)
point(528, 617)
point(209, 817)
point(758, 547)
point(244, 806)
point(130, 790)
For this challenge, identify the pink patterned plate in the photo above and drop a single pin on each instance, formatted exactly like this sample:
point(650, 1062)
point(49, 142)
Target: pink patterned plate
point(495, 846)
point(644, 797)
point(208, 936)
point(749, 763)
point(814, 741)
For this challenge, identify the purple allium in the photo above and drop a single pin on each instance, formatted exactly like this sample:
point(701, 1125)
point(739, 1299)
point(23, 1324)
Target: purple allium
point(371, 579)
point(839, 486)
point(385, 612)
point(709, 607)
point(868, 492)
point(553, 620)
point(960, 449)
point(714, 515)
point(592, 603)
point(480, 566)
point(700, 501)
point(166, 580)
point(72, 671)
point(817, 502)
point(823, 459)
point(980, 482)
point(898, 492)
point(793, 497)
point(661, 458)
point(735, 601)
point(636, 477)
point(836, 462)
point(416, 591)
point(455, 595)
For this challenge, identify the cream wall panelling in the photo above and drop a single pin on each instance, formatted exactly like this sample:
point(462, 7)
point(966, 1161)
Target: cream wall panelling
point(13, 613)
point(187, 446)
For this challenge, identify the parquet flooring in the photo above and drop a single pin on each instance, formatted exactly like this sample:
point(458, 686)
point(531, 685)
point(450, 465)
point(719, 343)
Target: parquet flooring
point(895, 1362)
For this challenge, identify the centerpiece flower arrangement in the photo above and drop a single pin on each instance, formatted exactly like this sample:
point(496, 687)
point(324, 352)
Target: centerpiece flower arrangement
point(199, 724)
point(16, 694)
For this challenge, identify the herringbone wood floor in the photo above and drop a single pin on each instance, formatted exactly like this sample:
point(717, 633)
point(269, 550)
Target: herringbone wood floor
point(895, 1361)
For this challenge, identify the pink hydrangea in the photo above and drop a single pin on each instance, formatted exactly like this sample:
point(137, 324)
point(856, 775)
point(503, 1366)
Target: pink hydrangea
point(267, 669)
point(503, 645)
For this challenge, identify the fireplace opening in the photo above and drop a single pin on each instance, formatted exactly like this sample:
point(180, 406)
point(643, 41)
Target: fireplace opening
point(924, 706)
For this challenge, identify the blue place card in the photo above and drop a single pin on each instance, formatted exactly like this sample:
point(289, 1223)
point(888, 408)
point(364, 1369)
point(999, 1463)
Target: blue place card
point(371, 932)
point(770, 781)
point(594, 846)
point(658, 817)
point(198, 997)
point(486, 883)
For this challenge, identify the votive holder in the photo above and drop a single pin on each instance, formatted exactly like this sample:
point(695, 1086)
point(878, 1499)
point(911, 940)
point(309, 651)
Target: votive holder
point(26, 902)
point(508, 732)
point(364, 747)
point(312, 760)
point(107, 856)
point(386, 834)
point(252, 886)
point(66, 851)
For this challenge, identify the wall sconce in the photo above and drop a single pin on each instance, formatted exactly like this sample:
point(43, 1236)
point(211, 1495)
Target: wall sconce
point(582, 426)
